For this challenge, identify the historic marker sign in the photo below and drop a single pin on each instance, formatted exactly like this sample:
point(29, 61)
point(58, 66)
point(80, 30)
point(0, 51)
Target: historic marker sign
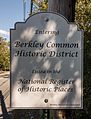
point(46, 63)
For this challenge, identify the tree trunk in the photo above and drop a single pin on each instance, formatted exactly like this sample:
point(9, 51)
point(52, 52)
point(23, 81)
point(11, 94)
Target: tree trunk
point(67, 9)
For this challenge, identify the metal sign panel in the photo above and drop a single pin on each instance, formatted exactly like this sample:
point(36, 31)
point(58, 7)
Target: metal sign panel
point(46, 63)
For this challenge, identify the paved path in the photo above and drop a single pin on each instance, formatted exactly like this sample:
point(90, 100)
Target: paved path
point(5, 88)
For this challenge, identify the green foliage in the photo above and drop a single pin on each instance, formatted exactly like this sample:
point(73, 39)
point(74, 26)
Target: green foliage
point(4, 55)
point(43, 4)
point(83, 18)
point(83, 14)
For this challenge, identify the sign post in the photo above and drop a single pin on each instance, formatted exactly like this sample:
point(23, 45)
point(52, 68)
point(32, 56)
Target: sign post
point(46, 63)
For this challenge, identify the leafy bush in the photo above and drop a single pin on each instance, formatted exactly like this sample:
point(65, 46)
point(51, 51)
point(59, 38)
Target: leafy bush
point(4, 55)
point(83, 18)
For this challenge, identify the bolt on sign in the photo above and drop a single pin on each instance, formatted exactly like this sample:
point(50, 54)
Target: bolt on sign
point(46, 63)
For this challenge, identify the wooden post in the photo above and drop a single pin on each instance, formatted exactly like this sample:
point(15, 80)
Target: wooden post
point(67, 9)
point(64, 7)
